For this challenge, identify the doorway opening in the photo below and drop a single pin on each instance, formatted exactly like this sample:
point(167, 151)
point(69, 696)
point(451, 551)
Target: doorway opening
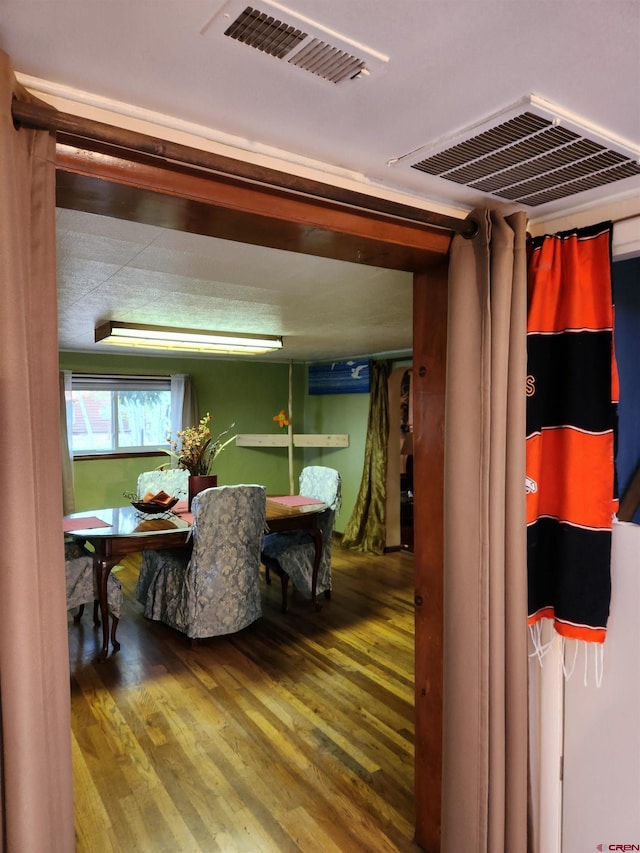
point(140, 188)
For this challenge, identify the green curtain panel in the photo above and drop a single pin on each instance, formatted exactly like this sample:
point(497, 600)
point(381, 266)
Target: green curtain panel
point(366, 529)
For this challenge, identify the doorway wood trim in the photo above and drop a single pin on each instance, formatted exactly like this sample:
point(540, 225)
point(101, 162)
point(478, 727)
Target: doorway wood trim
point(94, 135)
point(175, 196)
point(430, 306)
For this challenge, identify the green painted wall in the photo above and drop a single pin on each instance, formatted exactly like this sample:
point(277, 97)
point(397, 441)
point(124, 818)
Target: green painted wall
point(249, 393)
point(337, 414)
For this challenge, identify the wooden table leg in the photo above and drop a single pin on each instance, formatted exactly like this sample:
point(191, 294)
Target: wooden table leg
point(102, 570)
point(102, 567)
point(114, 627)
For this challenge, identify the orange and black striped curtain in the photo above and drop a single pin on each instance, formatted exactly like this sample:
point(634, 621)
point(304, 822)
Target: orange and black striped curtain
point(572, 394)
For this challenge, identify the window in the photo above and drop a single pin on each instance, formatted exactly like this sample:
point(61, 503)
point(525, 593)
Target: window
point(119, 414)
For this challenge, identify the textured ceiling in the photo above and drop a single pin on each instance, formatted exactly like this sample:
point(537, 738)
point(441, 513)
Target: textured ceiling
point(324, 309)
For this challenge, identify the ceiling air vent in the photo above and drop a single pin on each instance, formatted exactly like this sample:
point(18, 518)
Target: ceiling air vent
point(265, 33)
point(533, 153)
point(288, 36)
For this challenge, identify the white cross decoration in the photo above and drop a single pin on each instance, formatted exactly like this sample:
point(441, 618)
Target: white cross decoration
point(291, 439)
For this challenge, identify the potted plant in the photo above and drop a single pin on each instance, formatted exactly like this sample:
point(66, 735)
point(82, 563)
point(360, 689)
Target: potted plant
point(195, 450)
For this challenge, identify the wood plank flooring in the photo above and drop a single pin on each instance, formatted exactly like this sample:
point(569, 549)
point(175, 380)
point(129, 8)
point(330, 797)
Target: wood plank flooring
point(293, 735)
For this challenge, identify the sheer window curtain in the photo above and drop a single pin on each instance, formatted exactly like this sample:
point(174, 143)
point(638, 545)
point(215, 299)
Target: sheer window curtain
point(485, 574)
point(66, 449)
point(36, 782)
point(184, 405)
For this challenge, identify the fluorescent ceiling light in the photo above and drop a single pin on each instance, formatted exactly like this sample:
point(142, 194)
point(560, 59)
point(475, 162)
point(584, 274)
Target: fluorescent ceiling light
point(184, 340)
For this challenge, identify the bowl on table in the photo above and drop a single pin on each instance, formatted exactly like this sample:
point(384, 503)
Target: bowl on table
point(154, 507)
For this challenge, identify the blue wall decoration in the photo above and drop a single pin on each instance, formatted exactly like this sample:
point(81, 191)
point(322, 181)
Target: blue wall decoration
point(339, 377)
point(626, 297)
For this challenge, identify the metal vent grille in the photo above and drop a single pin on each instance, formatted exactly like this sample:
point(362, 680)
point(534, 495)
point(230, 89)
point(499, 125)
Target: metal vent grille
point(265, 33)
point(298, 46)
point(328, 62)
point(532, 159)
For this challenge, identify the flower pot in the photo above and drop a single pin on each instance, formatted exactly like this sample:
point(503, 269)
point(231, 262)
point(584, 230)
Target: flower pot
point(200, 482)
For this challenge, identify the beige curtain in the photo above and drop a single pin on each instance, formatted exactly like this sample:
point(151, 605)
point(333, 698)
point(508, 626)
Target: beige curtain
point(366, 529)
point(35, 761)
point(66, 454)
point(485, 597)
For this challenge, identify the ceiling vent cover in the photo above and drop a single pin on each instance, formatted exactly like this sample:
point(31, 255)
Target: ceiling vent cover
point(533, 153)
point(265, 33)
point(301, 42)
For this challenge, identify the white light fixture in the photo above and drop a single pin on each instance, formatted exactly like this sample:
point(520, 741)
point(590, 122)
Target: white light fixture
point(141, 336)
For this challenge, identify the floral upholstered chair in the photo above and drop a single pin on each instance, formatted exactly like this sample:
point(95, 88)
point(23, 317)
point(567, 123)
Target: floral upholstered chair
point(291, 554)
point(81, 586)
point(215, 589)
point(173, 481)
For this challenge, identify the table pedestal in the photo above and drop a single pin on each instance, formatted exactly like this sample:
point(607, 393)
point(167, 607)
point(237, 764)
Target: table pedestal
point(108, 552)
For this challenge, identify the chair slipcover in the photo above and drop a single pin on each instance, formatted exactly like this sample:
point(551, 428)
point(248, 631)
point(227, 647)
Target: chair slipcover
point(294, 552)
point(81, 582)
point(173, 481)
point(215, 589)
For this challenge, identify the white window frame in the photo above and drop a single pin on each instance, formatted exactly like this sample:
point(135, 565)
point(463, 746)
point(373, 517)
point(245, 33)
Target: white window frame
point(115, 383)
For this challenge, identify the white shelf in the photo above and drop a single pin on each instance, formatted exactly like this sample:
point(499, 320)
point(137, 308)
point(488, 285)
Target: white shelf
point(299, 440)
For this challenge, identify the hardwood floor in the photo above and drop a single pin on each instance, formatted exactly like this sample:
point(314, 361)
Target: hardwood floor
point(293, 735)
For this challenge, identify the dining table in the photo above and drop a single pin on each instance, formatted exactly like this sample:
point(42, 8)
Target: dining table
point(115, 532)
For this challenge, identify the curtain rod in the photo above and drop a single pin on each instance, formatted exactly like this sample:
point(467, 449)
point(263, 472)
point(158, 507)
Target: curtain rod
point(42, 116)
point(626, 218)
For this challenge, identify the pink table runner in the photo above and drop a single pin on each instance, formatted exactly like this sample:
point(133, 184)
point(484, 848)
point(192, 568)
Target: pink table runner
point(181, 510)
point(85, 523)
point(295, 500)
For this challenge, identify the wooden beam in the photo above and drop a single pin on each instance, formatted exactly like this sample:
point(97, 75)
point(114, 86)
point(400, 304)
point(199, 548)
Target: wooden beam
point(429, 366)
point(178, 197)
point(96, 136)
